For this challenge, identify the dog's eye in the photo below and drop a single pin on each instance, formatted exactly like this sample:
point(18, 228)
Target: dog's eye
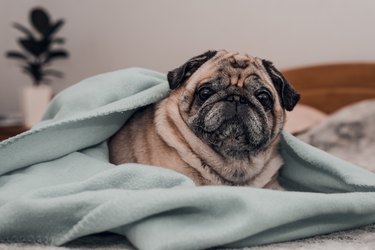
point(205, 93)
point(264, 97)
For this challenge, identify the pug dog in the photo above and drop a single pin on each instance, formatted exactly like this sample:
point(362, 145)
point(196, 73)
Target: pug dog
point(219, 125)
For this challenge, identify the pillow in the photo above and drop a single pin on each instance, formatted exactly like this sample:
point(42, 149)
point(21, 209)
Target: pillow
point(302, 118)
point(349, 134)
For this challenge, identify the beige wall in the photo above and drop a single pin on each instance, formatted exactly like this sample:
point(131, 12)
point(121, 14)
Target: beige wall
point(105, 35)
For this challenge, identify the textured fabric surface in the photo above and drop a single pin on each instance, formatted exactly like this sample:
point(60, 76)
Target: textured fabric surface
point(359, 239)
point(348, 134)
point(56, 184)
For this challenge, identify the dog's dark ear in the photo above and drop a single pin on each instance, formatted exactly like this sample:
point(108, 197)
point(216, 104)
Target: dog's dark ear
point(178, 76)
point(289, 96)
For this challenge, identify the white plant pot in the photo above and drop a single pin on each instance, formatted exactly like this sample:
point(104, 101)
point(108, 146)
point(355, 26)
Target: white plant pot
point(35, 100)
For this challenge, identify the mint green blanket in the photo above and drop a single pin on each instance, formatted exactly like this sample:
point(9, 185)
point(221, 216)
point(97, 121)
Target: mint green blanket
point(56, 183)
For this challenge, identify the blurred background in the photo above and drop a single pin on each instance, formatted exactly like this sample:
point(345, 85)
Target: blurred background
point(103, 36)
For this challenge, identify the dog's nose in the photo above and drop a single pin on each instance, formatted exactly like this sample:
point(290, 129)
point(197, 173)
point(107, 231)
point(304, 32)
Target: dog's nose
point(236, 98)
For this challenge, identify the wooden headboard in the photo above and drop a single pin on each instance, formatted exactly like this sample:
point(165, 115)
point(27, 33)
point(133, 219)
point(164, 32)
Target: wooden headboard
point(330, 87)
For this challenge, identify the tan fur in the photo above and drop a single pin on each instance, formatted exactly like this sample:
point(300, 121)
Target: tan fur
point(158, 134)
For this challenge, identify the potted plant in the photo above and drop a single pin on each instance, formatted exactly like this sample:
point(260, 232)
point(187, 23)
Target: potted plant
point(38, 52)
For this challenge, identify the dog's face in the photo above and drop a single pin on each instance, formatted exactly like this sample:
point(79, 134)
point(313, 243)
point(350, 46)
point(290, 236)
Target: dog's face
point(234, 103)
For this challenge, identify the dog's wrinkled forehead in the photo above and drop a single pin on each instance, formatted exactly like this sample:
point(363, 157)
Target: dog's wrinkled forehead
point(233, 66)
point(235, 69)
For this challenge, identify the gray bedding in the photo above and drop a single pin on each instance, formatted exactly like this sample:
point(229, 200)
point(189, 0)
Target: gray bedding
point(348, 134)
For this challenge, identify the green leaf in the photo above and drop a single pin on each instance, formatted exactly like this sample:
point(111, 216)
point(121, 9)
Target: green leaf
point(56, 54)
point(54, 28)
point(24, 30)
point(40, 20)
point(34, 47)
point(16, 55)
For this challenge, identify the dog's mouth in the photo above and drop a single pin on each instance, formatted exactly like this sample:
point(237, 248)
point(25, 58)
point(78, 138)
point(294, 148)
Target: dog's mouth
point(231, 138)
point(232, 132)
point(235, 134)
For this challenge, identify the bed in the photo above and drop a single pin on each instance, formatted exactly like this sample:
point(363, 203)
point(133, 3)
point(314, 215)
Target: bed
point(333, 86)
point(329, 93)
point(336, 114)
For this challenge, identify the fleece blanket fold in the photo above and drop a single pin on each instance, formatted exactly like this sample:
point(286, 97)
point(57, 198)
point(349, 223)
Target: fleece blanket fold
point(56, 183)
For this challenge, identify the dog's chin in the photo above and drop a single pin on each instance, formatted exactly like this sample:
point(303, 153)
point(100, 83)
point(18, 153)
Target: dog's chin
point(237, 140)
point(231, 140)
